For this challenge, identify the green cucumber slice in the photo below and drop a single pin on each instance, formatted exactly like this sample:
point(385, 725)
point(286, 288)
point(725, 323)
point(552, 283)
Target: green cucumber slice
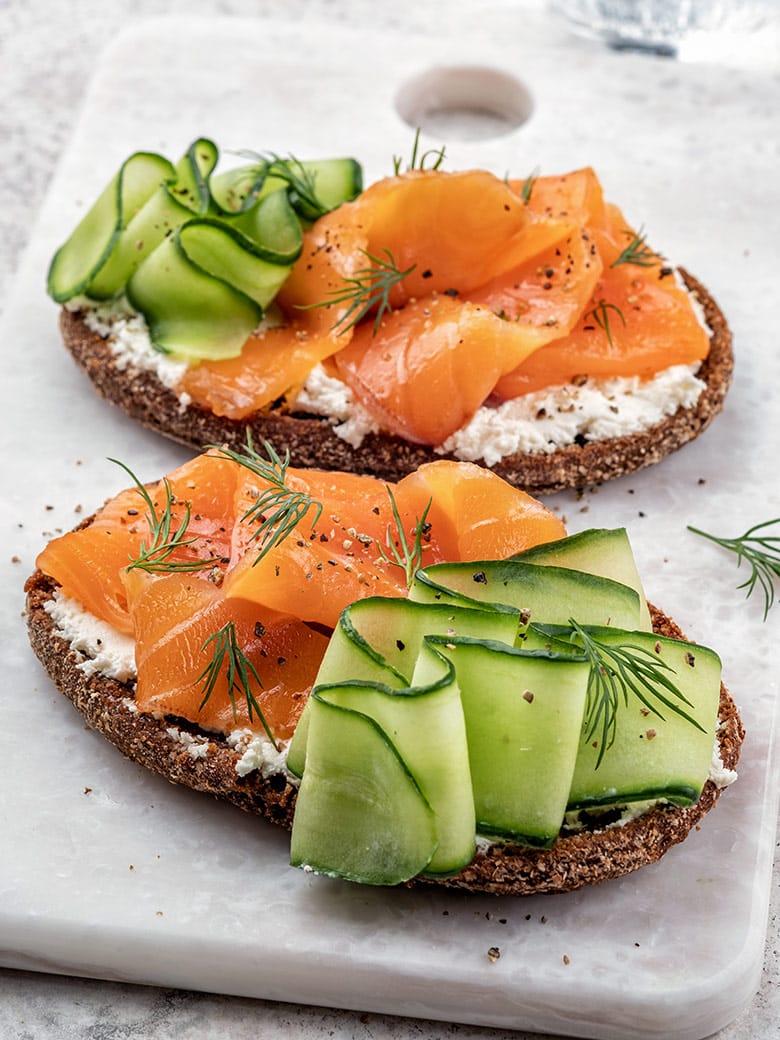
point(324, 184)
point(167, 209)
point(334, 181)
point(274, 228)
point(396, 628)
point(226, 254)
point(360, 814)
point(378, 639)
point(542, 593)
point(191, 313)
point(606, 552)
point(238, 190)
point(654, 755)
point(86, 251)
point(523, 715)
point(424, 723)
point(348, 656)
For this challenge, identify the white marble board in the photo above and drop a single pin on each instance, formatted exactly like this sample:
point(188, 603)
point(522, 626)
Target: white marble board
point(107, 871)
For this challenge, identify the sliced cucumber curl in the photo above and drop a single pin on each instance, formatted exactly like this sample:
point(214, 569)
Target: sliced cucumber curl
point(470, 710)
point(199, 254)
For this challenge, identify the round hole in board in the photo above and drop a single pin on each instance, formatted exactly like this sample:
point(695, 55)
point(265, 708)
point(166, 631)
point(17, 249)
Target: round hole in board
point(464, 102)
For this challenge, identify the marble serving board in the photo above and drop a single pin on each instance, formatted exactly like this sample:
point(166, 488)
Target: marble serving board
point(107, 871)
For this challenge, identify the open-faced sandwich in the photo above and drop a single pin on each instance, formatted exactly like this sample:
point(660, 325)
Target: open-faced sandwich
point(427, 681)
point(521, 324)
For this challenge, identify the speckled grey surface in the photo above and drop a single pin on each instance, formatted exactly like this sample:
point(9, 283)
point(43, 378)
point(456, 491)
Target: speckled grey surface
point(46, 54)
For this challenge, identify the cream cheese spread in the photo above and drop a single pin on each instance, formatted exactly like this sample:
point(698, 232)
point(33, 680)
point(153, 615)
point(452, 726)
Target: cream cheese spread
point(127, 335)
point(105, 650)
point(259, 752)
point(196, 747)
point(718, 773)
point(543, 422)
point(536, 423)
point(109, 652)
point(329, 397)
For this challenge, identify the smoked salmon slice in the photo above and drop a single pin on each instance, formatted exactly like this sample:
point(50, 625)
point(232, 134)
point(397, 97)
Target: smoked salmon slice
point(432, 293)
point(273, 605)
point(434, 362)
point(474, 515)
point(346, 554)
point(637, 322)
point(89, 562)
point(576, 196)
point(176, 619)
point(418, 374)
point(452, 231)
point(329, 561)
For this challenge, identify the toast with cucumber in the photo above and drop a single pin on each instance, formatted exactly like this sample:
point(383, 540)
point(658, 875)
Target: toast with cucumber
point(520, 324)
point(418, 695)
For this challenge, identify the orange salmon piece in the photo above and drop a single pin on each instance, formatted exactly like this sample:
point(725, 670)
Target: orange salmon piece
point(436, 359)
point(576, 196)
point(474, 514)
point(317, 570)
point(638, 322)
point(207, 485)
point(175, 617)
point(458, 230)
point(468, 234)
point(547, 294)
point(89, 563)
point(433, 363)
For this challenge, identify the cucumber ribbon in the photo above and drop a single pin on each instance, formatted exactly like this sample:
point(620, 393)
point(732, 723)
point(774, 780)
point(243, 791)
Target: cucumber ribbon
point(200, 255)
point(446, 715)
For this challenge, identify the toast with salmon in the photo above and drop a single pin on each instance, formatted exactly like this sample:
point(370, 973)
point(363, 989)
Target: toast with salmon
point(522, 325)
point(313, 441)
point(290, 602)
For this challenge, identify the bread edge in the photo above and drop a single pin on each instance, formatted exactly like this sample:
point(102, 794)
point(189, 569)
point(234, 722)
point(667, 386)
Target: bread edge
point(313, 443)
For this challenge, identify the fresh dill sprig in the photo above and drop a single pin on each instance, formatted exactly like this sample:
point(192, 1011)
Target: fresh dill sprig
point(616, 671)
point(228, 656)
point(278, 509)
point(528, 185)
point(397, 551)
point(418, 162)
point(300, 181)
point(637, 252)
point(155, 558)
point(760, 551)
point(369, 286)
point(600, 315)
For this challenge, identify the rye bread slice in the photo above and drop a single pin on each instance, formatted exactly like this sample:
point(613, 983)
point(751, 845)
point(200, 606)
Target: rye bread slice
point(575, 860)
point(313, 443)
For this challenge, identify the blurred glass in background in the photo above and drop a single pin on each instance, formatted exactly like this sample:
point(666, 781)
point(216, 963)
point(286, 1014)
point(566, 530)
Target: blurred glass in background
point(670, 27)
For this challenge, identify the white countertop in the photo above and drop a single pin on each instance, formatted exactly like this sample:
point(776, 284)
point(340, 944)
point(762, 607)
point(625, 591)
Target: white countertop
point(46, 60)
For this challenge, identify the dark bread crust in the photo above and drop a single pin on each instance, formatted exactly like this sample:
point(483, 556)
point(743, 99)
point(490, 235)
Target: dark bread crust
point(574, 861)
point(313, 443)
point(587, 858)
point(108, 706)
